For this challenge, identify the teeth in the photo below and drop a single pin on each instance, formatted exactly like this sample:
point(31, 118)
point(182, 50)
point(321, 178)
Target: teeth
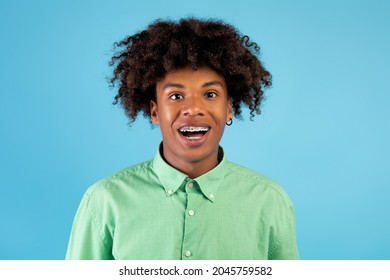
point(193, 129)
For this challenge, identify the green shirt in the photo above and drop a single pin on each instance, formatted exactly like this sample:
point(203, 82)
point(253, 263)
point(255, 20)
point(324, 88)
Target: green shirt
point(153, 211)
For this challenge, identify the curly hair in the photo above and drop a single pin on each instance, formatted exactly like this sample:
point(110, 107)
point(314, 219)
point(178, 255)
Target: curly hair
point(145, 58)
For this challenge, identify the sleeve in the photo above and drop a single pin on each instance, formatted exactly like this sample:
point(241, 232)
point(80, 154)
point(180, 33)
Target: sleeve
point(285, 243)
point(88, 240)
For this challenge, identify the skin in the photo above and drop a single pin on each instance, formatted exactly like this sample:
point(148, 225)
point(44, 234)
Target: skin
point(191, 98)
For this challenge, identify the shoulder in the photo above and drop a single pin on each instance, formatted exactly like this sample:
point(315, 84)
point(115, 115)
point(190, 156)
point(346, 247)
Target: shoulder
point(246, 174)
point(255, 181)
point(121, 180)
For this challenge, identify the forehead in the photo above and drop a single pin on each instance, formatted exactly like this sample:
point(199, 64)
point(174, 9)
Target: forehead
point(188, 76)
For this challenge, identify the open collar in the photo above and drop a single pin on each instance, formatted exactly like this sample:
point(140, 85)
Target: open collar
point(172, 179)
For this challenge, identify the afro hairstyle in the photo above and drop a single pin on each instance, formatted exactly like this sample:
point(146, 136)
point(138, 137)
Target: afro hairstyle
point(144, 58)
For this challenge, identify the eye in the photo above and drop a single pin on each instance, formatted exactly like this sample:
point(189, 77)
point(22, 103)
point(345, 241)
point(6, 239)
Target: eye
point(211, 94)
point(176, 96)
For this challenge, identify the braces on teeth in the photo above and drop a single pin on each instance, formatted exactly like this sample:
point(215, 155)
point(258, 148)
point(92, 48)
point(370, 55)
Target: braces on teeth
point(193, 129)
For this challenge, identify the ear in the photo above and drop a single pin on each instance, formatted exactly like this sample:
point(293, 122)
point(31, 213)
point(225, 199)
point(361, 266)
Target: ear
point(229, 114)
point(154, 112)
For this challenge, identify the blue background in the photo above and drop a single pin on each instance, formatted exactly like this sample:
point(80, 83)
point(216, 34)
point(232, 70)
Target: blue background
point(324, 133)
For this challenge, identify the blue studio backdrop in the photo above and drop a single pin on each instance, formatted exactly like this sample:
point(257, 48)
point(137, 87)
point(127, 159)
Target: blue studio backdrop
point(324, 132)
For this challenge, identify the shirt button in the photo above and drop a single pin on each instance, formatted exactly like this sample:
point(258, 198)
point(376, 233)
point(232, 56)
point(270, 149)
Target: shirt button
point(188, 253)
point(170, 192)
point(191, 213)
point(211, 195)
point(190, 184)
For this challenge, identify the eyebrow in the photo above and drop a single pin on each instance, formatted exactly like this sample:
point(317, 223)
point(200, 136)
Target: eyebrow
point(175, 85)
point(212, 83)
point(207, 84)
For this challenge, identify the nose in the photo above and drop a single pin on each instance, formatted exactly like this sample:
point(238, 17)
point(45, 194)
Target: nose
point(193, 106)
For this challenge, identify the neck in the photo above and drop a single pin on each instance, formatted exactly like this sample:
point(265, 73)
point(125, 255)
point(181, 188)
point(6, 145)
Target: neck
point(195, 170)
point(192, 168)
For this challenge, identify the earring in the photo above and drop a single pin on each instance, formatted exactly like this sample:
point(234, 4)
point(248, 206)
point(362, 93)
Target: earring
point(230, 122)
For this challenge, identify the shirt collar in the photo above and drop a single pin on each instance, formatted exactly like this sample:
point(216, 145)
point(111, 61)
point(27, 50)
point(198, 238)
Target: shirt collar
point(210, 182)
point(172, 179)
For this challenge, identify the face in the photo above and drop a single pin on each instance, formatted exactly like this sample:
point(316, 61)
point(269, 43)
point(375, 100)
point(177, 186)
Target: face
point(191, 109)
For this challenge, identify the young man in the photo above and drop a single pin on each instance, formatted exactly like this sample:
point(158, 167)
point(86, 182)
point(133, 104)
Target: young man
point(189, 77)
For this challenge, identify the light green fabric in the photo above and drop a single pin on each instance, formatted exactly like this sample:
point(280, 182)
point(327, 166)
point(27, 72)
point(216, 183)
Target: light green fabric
point(153, 211)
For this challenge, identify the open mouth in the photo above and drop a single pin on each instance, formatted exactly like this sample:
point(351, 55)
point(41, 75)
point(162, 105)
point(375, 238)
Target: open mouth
point(194, 132)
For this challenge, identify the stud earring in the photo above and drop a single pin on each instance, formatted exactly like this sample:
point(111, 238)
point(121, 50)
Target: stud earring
point(230, 122)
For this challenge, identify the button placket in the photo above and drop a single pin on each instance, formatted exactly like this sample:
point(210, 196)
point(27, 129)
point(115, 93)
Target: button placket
point(189, 222)
point(191, 211)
